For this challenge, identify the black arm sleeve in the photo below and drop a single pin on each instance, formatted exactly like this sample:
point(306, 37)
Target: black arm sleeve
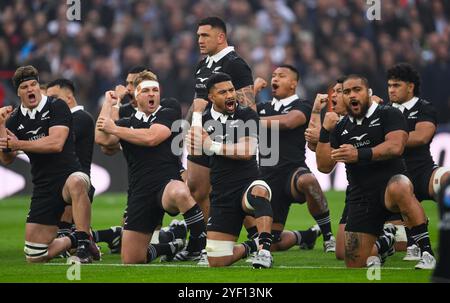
point(240, 73)
point(60, 114)
point(392, 120)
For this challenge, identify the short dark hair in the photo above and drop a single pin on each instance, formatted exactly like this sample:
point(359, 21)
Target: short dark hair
point(215, 22)
point(24, 73)
point(63, 83)
point(340, 80)
point(356, 76)
point(405, 72)
point(293, 69)
point(138, 69)
point(216, 78)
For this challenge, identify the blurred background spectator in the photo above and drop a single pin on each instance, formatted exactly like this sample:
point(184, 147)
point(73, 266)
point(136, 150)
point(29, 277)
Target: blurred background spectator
point(322, 38)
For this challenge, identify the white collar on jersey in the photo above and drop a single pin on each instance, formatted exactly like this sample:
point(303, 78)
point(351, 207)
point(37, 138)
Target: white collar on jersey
point(408, 104)
point(283, 102)
point(32, 112)
point(76, 108)
point(369, 113)
point(219, 116)
point(142, 116)
point(216, 58)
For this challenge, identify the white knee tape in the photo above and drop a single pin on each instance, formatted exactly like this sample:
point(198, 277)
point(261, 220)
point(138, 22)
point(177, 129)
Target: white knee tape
point(400, 235)
point(35, 250)
point(219, 248)
point(260, 183)
point(83, 177)
point(437, 178)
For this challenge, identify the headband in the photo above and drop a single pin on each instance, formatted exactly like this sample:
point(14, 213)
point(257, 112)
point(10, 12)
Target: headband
point(145, 84)
point(21, 80)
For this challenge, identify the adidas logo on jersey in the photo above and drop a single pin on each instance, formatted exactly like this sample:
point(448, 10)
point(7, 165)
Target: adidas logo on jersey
point(345, 132)
point(20, 127)
point(210, 129)
point(262, 112)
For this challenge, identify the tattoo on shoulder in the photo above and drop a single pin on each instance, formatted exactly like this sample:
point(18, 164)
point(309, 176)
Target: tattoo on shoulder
point(246, 96)
point(352, 245)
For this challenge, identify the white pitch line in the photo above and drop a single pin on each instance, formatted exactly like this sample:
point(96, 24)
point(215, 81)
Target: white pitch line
point(233, 266)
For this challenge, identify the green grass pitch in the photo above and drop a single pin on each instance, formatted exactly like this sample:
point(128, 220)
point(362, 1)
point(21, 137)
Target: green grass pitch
point(292, 266)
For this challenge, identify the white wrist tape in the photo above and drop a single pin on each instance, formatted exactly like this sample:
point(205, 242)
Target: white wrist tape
point(196, 119)
point(216, 148)
point(145, 84)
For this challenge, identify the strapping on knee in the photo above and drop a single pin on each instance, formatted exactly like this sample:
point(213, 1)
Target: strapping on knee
point(34, 251)
point(441, 171)
point(298, 173)
point(260, 205)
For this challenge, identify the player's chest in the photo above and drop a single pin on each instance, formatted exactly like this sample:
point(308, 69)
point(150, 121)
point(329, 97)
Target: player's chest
point(368, 134)
point(33, 129)
point(227, 132)
point(411, 117)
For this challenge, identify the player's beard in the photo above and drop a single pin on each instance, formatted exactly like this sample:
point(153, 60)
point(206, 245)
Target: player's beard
point(364, 108)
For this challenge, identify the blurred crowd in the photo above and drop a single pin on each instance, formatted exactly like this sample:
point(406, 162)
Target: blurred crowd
point(324, 39)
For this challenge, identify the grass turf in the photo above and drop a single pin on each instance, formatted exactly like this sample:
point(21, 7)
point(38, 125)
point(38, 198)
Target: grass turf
point(292, 266)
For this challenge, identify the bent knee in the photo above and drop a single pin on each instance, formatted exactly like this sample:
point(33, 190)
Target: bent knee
point(399, 185)
point(35, 252)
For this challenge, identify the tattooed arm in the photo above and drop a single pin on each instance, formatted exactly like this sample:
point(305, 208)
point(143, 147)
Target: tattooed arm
point(246, 96)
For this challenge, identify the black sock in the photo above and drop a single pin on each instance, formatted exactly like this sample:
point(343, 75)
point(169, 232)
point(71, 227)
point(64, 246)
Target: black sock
point(104, 235)
point(250, 247)
point(324, 222)
point(195, 222)
point(411, 241)
point(384, 242)
point(265, 239)
point(420, 235)
point(82, 237)
point(64, 225)
point(73, 240)
point(156, 250)
point(305, 236)
point(252, 232)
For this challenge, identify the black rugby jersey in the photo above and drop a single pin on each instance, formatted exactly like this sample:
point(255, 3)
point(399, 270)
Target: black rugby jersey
point(150, 166)
point(227, 173)
point(226, 61)
point(415, 111)
point(84, 135)
point(126, 111)
point(291, 141)
point(35, 124)
point(367, 176)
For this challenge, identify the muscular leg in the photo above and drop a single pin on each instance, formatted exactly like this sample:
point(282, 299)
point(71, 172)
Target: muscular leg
point(75, 191)
point(134, 247)
point(239, 251)
point(307, 185)
point(358, 247)
point(199, 186)
point(340, 242)
point(45, 235)
point(399, 196)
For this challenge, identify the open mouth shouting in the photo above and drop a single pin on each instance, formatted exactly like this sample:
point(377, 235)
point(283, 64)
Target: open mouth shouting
point(32, 98)
point(230, 105)
point(274, 88)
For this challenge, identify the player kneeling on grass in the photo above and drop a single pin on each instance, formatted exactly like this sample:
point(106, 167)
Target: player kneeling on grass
point(370, 140)
point(155, 184)
point(42, 128)
point(229, 134)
